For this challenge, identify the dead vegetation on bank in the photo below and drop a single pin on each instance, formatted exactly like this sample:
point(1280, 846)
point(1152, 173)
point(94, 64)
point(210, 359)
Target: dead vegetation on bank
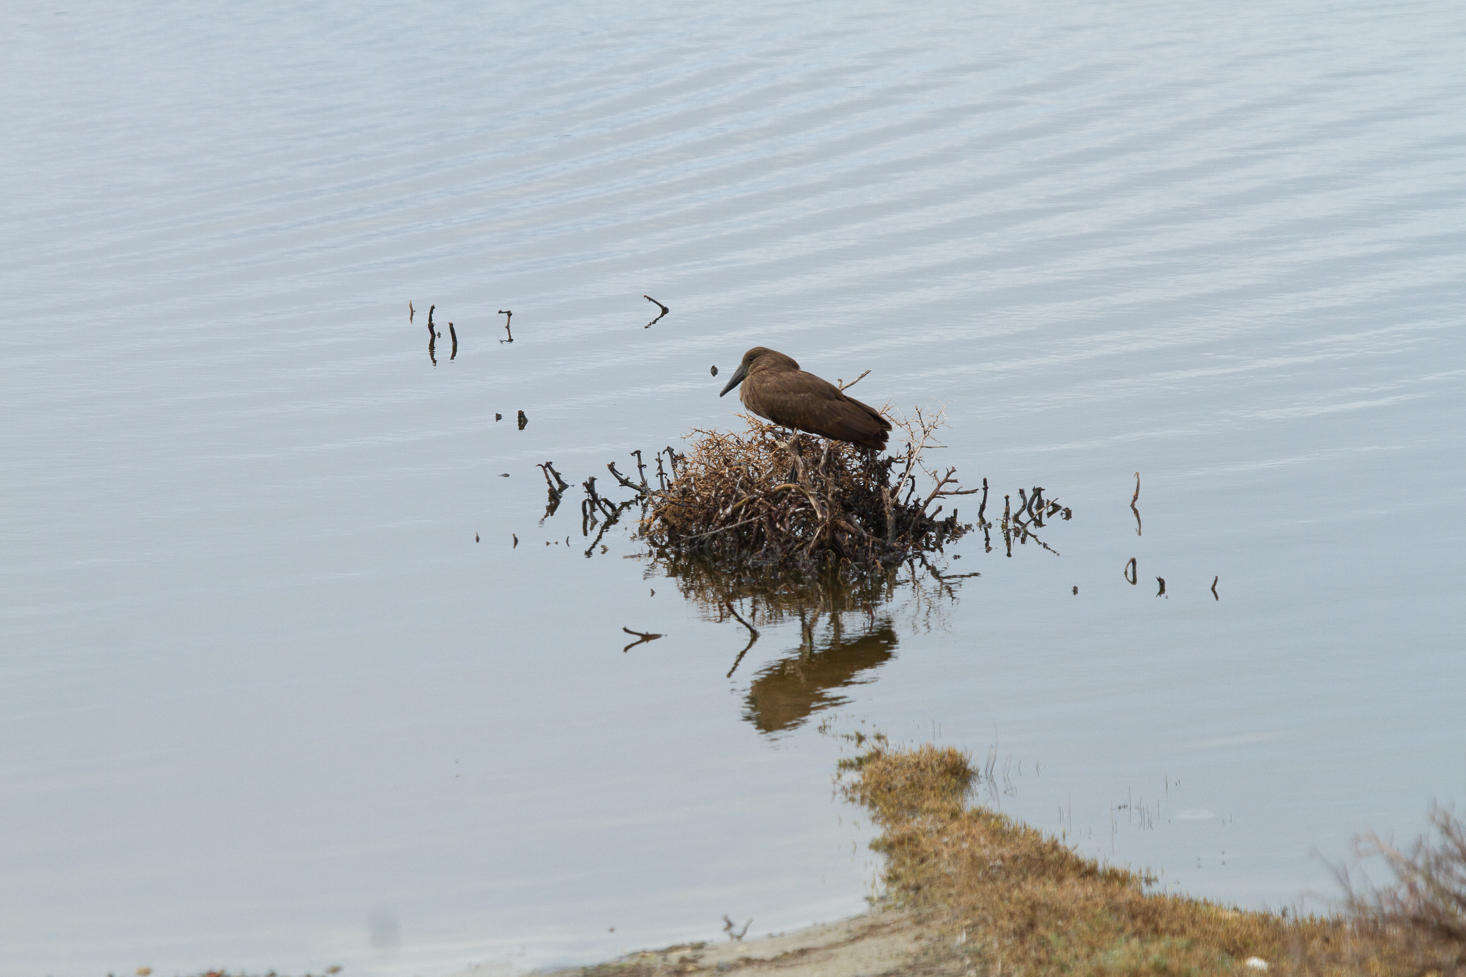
point(1005, 898)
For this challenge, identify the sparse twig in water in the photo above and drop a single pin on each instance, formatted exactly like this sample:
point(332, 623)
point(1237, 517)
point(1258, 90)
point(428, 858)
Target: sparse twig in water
point(1214, 587)
point(659, 305)
point(454, 336)
point(507, 314)
point(734, 933)
point(1162, 582)
point(523, 420)
point(642, 637)
point(1132, 573)
point(410, 310)
point(1134, 499)
point(641, 489)
point(549, 469)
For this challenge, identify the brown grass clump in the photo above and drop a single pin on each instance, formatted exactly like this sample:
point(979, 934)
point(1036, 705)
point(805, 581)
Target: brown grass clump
point(1008, 899)
point(766, 498)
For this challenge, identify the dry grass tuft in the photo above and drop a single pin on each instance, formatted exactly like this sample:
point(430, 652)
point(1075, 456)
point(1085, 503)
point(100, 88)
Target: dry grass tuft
point(1421, 914)
point(1011, 900)
point(767, 499)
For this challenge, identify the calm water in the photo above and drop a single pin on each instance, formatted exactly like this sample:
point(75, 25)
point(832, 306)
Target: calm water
point(265, 702)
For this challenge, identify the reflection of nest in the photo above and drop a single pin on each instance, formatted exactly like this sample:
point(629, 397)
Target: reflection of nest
point(784, 694)
point(769, 598)
point(763, 498)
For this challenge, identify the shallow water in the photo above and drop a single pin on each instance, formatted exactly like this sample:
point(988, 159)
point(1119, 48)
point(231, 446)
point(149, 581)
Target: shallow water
point(265, 701)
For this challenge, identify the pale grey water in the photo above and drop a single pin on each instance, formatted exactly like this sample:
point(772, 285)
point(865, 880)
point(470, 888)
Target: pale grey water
point(264, 701)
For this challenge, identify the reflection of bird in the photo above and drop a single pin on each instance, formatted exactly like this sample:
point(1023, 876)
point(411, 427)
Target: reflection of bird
point(785, 693)
point(776, 388)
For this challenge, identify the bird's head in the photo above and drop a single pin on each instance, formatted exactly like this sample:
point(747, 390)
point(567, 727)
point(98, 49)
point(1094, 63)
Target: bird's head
point(760, 357)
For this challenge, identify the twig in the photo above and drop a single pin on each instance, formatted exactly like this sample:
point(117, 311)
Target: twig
point(846, 386)
point(507, 314)
point(1133, 499)
point(642, 637)
point(549, 469)
point(734, 934)
point(410, 310)
point(659, 305)
point(641, 489)
point(454, 336)
point(1131, 572)
point(1214, 587)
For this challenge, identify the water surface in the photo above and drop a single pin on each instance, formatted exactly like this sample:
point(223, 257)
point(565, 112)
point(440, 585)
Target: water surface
point(267, 703)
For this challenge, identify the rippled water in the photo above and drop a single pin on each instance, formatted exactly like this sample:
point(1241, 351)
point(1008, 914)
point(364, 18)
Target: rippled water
point(266, 702)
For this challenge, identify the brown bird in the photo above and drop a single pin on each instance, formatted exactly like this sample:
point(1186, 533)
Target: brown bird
point(776, 388)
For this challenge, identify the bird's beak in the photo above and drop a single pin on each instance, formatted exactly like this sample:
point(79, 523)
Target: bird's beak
point(736, 379)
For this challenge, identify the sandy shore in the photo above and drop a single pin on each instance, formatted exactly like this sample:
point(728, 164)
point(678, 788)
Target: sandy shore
point(868, 945)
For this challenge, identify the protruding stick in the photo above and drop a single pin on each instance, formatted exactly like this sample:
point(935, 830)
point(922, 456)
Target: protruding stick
point(642, 637)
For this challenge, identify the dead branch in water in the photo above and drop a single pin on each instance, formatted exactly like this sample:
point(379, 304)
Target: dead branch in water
point(1134, 499)
point(659, 305)
point(642, 637)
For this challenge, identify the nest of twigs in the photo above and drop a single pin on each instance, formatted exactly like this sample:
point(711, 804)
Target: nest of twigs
point(767, 498)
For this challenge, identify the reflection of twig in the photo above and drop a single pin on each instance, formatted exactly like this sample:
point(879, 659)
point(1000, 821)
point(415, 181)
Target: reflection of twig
point(642, 637)
point(659, 305)
point(507, 314)
point(752, 635)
